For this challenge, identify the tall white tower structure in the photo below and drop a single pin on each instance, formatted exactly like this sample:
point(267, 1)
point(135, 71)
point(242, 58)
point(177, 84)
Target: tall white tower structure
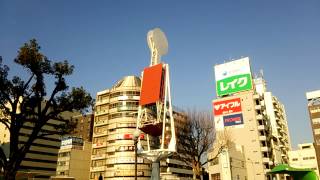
point(155, 117)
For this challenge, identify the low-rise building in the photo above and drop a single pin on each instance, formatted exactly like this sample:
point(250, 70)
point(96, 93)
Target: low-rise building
point(304, 157)
point(230, 164)
point(73, 159)
point(313, 98)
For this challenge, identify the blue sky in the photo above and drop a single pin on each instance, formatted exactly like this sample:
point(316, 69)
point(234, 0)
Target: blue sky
point(106, 40)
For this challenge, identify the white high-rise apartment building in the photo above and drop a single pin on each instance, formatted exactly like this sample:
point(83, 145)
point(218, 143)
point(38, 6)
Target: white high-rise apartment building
point(114, 124)
point(255, 122)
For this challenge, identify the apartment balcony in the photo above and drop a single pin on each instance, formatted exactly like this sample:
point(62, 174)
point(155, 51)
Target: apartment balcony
point(99, 145)
point(259, 116)
point(257, 107)
point(97, 169)
point(63, 168)
point(100, 123)
point(102, 102)
point(283, 155)
point(122, 98)
point(262, 138)
point(111, 149)
point(256, 96)
point(266, 160)
point(67, 158)
point(102, 112)
point(109, 174)
point(98, 156)
point(99, 134)
point(261, 127)
point(128, 108)
point(124, 160)
point(265, 149)
point(125, 173)
point(179, 170)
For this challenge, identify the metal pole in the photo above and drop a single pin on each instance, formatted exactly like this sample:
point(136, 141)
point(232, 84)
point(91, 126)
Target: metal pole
point(155, 174)
point(135, 158)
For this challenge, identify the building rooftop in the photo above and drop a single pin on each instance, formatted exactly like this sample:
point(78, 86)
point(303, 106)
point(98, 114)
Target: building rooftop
point(313, 94)
point(128, 81)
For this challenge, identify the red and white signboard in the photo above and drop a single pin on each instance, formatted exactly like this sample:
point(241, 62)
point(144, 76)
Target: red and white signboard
point(227, 107)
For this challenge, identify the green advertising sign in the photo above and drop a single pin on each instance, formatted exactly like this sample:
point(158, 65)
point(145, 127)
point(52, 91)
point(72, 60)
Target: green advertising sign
point(234, 84)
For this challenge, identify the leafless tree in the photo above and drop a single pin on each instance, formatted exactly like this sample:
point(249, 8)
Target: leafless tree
point(197, 138)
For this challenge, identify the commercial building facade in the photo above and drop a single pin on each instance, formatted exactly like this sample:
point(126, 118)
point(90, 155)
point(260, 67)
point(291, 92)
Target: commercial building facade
point(313, 98)
point(249, 130)
point(304, 157)
point(73, 159)
point(255, 122)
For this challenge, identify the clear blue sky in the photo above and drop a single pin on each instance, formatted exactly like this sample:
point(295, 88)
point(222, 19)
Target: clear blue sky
point(106, 40)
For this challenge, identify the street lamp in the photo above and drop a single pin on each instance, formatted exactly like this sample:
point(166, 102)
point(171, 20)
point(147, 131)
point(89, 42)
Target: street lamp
point(136, 135)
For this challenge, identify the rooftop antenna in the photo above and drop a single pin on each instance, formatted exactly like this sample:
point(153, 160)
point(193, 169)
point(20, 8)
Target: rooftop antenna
point(261, 73)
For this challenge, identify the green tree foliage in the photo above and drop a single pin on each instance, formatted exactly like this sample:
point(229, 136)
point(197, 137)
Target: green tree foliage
point(27, 100)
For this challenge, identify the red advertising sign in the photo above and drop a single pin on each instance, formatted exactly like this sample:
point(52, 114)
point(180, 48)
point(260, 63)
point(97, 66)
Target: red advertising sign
point(151, 84)
point(227, 107)
point(129, 136)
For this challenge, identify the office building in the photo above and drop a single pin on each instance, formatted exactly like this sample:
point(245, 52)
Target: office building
point(313, 98)
point(73, 159)
point(255, 121)
point(41, 160)
point(84, 128)
point(304, 157)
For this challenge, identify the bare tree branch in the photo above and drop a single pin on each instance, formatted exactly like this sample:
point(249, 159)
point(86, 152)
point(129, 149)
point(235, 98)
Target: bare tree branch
point(5, 122)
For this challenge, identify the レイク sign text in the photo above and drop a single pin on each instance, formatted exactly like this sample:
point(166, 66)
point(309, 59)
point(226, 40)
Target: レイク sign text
point(234, 84)
point(227, 107)
point(233, 77)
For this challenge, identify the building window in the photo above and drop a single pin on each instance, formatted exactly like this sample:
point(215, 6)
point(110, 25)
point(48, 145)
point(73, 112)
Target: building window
point(316, 131)
point(316, 121)
point(306, 158)
point(64, 154)
point(295, 159)
point(215, 176)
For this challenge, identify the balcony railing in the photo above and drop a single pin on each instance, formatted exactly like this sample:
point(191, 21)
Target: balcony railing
point(98, 156)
